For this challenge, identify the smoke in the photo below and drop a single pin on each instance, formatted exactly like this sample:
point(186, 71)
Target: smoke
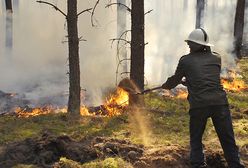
point(166, 29)
point(169, 25)
point(38, 62)
point(219, 23)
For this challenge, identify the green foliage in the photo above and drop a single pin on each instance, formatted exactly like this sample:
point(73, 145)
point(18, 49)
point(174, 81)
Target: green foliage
point(17, 129)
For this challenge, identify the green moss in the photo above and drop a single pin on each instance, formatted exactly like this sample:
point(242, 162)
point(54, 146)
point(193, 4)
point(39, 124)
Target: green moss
point(17, 129)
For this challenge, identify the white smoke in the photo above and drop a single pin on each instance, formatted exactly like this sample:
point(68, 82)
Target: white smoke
point(38, 62)
point(219, 22)
point(169, 25)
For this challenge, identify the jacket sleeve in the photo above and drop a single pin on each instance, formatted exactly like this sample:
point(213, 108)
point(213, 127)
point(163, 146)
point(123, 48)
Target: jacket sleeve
point(176, 79)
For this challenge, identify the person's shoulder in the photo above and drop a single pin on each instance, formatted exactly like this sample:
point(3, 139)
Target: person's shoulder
point(216, 54)
point(184, 57)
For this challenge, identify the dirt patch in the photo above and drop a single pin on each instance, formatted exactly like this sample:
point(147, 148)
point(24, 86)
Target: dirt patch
point(46, 150)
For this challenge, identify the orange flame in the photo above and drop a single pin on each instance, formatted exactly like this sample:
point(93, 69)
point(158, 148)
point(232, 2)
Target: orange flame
point(29, 112)
point(182, 94)
point(235, 85)
point(84, 111)
point(115, 104)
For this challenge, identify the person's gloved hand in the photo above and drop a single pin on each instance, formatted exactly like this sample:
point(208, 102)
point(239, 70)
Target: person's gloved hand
point(164, 86)
point(184, 82)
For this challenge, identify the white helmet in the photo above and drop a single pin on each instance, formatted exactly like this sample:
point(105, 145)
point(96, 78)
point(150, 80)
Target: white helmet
point(199, 36)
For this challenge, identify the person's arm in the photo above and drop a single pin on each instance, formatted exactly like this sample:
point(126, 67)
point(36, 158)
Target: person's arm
point(176, 79)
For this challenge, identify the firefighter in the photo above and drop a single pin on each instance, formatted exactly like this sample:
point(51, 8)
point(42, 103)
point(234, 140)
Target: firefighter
point(206, 97)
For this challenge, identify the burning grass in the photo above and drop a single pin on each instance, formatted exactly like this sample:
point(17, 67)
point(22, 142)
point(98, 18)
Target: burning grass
point(115, 104)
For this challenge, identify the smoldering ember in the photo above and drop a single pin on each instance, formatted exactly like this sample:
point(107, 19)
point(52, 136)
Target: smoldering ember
point(124, 84)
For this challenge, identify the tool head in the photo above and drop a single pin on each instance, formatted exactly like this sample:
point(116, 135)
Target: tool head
point(129, 86)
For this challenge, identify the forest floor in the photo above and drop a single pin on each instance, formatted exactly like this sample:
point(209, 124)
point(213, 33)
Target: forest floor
point(156, 136)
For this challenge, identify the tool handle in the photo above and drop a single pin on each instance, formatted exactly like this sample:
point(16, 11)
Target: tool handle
point(149, 90)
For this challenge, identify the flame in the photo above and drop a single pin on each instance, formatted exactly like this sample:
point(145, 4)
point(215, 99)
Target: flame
point(117, 102)
point(182, 94)
point(113, 106)
point(84, 111)
point(235, 85)
point(30, 112)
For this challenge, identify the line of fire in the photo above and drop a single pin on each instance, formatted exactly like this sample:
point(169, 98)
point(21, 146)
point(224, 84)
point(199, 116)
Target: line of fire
point(117, 102)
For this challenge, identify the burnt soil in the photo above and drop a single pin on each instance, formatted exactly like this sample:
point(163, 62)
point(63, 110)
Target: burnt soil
point(46, 151)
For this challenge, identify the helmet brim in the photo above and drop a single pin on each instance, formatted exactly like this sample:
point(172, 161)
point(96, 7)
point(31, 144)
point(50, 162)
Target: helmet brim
point(200, 42)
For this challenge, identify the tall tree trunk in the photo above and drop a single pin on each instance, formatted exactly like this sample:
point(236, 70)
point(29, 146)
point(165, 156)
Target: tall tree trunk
point(74, 67)
point(9, 25)
point(122, 27)
point(137, 43)
point(239, 27)
point(199, 13)
point(8, 4)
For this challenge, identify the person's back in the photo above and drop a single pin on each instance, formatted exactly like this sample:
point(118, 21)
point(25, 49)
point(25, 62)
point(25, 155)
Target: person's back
point(201, 68)
point(202, 71)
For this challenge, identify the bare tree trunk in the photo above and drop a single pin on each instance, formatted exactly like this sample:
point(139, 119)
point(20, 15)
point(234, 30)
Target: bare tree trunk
point(239, 27)
point(9, 25)
point(122, 27)
point(8, 4)
point(199, 13)
point(74, 67)
point(137, 43)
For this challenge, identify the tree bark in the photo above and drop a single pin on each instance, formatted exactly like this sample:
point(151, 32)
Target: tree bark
point(8, 4)
point(200, 5)
point(239, 27)
point(137, 43)
point(9, 25)
point(74, 67)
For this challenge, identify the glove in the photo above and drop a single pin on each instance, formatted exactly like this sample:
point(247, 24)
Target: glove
point(184, 82)
point(164, 86)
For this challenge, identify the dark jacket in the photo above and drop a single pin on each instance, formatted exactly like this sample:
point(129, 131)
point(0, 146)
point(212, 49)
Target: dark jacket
point(202, 73)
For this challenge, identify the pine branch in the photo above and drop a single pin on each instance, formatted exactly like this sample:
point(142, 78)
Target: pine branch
point(92, 14)
point(54, 6)
point(120, 4)
point(86, 10)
